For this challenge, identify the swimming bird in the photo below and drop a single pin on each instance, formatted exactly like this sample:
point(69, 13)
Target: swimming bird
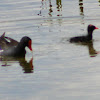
point(86, 38)
point(13, 48)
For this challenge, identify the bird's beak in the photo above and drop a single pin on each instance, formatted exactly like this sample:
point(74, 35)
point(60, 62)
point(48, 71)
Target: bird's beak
point(96, 28)
point(30, 45)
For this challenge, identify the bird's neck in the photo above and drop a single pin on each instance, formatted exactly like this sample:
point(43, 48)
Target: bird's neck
point(90, 35)
point(21, 49)
point(21, 46)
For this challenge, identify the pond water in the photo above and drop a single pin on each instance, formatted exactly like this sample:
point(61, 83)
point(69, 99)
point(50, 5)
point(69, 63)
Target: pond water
point(57, 70)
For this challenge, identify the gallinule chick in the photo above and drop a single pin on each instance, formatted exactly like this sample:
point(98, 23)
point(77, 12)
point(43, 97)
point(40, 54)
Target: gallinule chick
point(86, 38)
point(10, 47)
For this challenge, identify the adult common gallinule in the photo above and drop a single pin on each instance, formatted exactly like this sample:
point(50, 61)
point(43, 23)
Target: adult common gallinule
point(86, 38)
point(10, 47)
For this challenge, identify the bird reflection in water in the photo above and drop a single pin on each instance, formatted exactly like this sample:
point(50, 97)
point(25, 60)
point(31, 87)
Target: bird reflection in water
point(92, 51)
point(27, 66)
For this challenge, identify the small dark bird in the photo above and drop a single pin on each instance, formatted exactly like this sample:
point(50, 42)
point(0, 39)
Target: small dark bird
point(86, 38)
point(10, 47)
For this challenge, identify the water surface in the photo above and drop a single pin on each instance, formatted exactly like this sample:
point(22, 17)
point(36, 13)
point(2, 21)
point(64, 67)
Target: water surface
point(58, 70)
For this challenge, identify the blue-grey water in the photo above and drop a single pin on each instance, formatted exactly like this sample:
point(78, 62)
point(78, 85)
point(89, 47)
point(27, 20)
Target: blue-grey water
point(57, 69)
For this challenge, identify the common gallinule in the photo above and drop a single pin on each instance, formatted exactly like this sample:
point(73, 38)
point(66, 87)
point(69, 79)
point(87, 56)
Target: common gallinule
point(86, 38)
point(10, 47)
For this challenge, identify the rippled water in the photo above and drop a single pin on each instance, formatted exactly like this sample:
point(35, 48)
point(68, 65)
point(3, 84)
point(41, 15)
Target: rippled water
point(58, 69)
